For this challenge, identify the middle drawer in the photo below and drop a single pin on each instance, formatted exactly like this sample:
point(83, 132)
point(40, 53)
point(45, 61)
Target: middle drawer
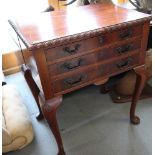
point(92, 58)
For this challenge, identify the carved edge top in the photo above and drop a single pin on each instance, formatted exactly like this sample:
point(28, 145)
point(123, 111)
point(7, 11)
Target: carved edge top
point(79, 36)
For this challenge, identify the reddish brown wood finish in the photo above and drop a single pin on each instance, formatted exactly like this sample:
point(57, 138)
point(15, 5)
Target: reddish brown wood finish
point(79, 77)
point(49, 108)
point(144, 42)
point(58, 24)
point(106, 47)
point(33, 87)
point(114, 51)
point(95, 41)
point(43, 72)
point(86, 45)
point(140, 82)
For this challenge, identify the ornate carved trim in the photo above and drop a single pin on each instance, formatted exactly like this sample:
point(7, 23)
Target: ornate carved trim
point(79, 36)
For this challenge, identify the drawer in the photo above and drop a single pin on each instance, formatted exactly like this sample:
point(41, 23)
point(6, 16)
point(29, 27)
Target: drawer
point(76, 48)
point(120, 65)
point(85, 77)
point(75, 80)
point(71, 64)
point(91, 58)
point(119, 50)
point(126, 33)
point(86, 45)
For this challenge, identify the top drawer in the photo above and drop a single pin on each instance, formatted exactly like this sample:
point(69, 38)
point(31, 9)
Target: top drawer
point(86, 45)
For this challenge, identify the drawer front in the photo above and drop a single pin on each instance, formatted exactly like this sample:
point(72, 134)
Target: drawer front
point(92, 43)
point(71, 64)
point(119, 50)
point(75, 48)
point(106, 53)
point(121, 65)
point(126, 33)
point(76, 80)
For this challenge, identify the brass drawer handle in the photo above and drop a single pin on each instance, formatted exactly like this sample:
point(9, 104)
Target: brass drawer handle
point(124, 48)
point(72, 51)
point(72, 65)
point(73, 81)
point(124, 63)
point(125, 34)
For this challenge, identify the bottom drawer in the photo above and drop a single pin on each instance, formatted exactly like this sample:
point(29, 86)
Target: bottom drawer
point(87, 76)
point(75, 80)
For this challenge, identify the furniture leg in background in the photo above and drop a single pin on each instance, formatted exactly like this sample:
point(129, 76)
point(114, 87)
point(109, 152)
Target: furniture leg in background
point(33, 87)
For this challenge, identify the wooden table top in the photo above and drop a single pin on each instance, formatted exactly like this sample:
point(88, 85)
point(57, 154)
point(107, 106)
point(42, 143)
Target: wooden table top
point(59, 24)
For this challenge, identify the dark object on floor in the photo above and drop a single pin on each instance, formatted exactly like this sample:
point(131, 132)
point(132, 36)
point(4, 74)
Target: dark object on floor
point(3, 83)
point(3, 80)
point(108, 86)
point(122, 91)
point(49, 9)
point(119, 98)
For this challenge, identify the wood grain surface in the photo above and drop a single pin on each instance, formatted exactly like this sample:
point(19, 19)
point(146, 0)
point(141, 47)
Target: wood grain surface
point(58, 24)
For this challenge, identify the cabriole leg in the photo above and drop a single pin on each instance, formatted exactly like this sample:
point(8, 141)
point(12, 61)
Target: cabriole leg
point(49, 109)
point(140, 83)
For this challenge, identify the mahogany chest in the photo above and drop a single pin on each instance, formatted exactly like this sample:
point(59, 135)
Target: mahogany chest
point(82, 46)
